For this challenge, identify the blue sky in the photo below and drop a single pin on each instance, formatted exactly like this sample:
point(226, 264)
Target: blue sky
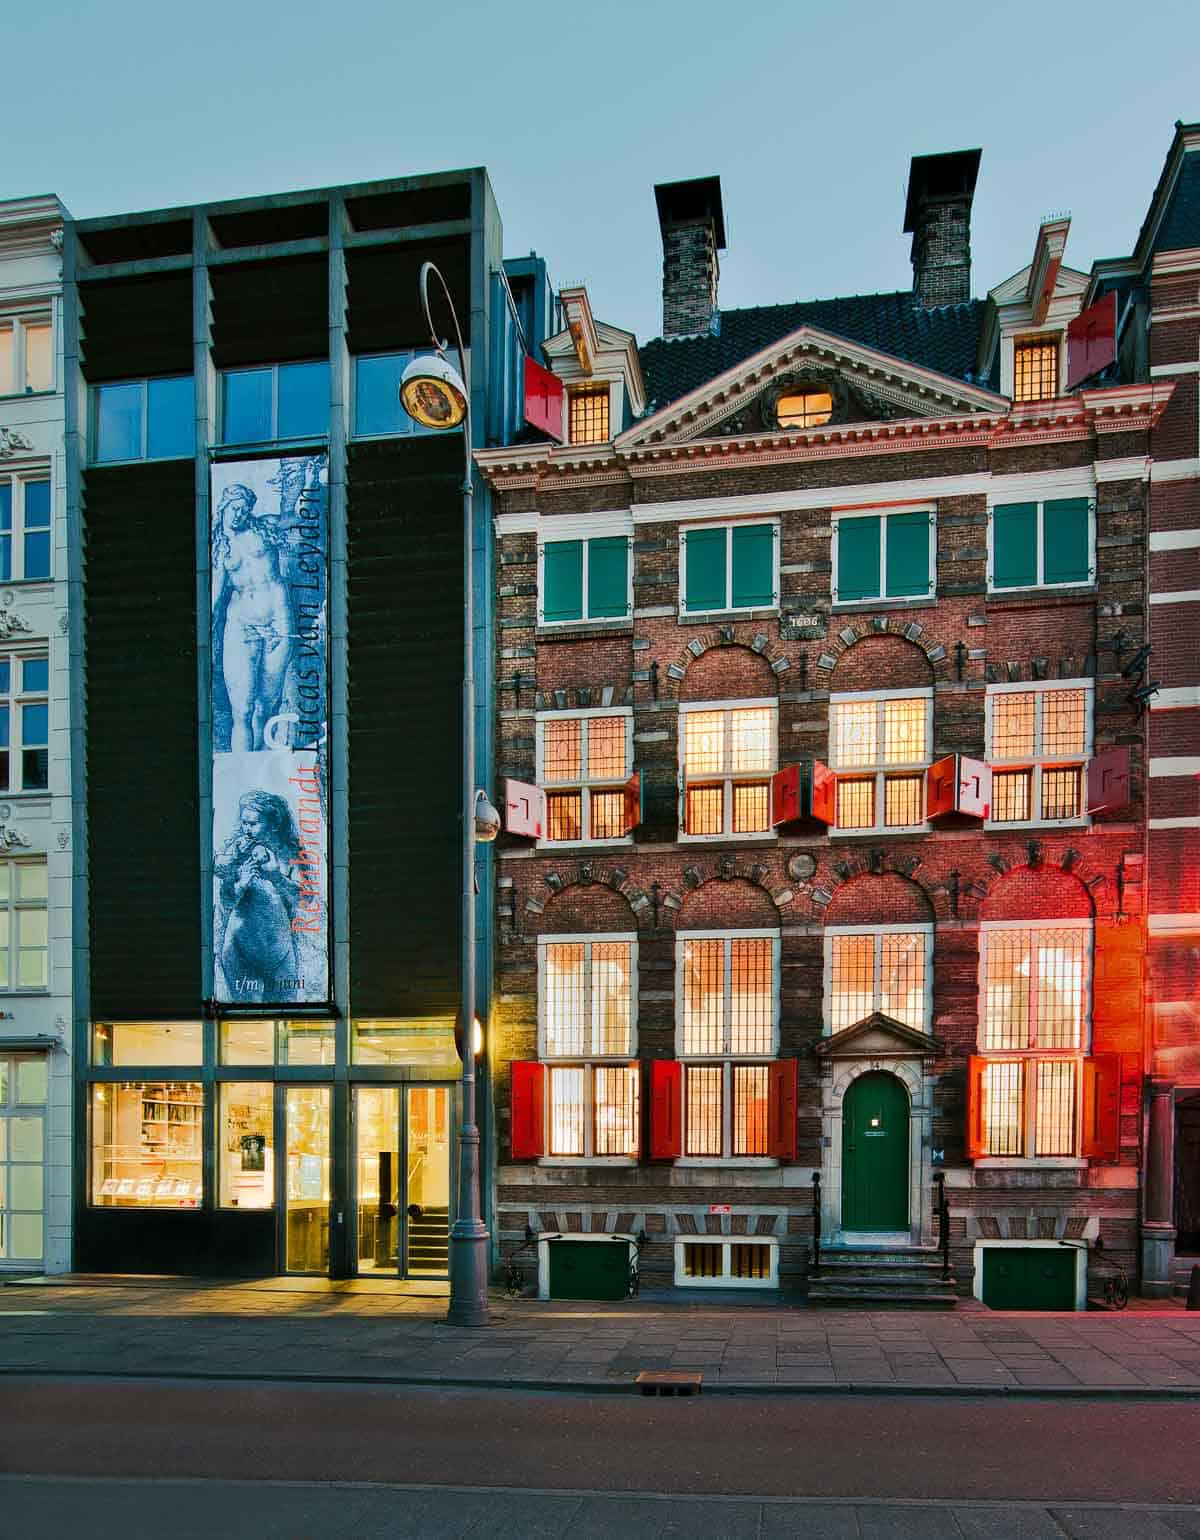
point(808, 112)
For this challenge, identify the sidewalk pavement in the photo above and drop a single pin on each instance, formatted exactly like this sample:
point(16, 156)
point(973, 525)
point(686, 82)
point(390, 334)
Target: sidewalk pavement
point(388, 1331)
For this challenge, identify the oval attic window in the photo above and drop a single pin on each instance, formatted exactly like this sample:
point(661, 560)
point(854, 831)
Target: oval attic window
point(804, 409)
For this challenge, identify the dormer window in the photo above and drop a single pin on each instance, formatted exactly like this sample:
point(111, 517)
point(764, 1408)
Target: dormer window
point(804, 409)
point(1035, 368)
point(587, 409)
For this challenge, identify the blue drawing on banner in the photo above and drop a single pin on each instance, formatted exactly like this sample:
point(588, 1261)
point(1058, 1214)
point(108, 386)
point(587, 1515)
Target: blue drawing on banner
point(259, 888)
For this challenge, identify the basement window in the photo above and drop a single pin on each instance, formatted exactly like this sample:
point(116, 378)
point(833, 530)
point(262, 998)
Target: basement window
point(721, 1263)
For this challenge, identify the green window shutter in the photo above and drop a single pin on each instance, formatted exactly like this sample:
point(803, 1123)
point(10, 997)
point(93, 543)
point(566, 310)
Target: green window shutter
point(753, 567)
point(562, 580)
point(608, 577)
point(704, 569)
point(1065, 540)
point(1014, 545)
point(907, 555)
point(858, 559)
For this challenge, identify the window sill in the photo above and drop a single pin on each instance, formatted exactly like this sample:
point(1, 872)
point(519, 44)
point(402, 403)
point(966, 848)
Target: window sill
point(909, 829)
point(583, 630)
point(725, 1162)
point(116, 465)
point(225, 451)
point(24, 582)
point(27, 395)
point(614, 844)
point(709, 617)
point(1031, 1163)
point(560, 1161)
point(1029, 598)
point(992, 826)
point(766, 838)
point(865, 606)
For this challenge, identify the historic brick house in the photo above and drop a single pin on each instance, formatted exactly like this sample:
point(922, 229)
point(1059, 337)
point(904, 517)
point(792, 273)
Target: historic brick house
point(821, 709)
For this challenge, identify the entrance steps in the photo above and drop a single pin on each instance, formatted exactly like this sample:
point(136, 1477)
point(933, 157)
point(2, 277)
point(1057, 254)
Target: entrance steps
point(429, 1241)
point(880, 1278)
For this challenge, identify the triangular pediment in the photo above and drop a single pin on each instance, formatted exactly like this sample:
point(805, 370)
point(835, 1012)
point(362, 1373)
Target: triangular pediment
point(879, 1037)
point(866, 386)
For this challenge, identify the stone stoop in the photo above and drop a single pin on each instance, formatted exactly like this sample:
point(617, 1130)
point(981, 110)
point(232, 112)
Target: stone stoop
point(881, 1278)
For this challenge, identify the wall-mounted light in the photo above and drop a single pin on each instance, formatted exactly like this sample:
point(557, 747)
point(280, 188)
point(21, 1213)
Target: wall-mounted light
point(487, 819)
point(432, 392)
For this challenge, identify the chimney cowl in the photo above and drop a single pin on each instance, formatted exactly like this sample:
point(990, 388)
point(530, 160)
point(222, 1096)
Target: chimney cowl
point(937, 213)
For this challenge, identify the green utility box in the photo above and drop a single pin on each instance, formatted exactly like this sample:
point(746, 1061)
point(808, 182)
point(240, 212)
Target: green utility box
point(588, 1269)
point(1029, 1277)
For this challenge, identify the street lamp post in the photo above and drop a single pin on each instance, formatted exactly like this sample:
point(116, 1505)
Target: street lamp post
point(434, 394)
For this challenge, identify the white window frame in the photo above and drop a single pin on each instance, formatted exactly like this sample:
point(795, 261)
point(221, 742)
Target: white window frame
point(1001, 500)
point(729, 608)
point(15, 906)
point(592, 385)
point(597, 529)
point(880, 772)
point(14, 700)
point(883, 514)
point(17, 322)
point(18, 481)
point(682, 1281)
point(585, 785)
point(878, 931)
point(1029, 1058)
point(588, 1062)
point(728, 778)
point(1037, 762)
point(1008, 359)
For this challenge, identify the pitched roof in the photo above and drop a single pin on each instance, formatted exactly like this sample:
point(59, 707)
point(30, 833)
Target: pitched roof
point(1180, 228)
point(944, 339)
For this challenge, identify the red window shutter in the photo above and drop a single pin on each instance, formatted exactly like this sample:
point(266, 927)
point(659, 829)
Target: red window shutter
point(941, 787)
point(824, 793)
point(785, 795)
point(1091, 340)
point(666, 1109)
point(1108, 780)
point(633, 803)
point(974, 787)
point(543, 400)
point(524, 809)
point(1102, 1107)
point(782, 1105)
point(975, 1141)
point(527, 1131)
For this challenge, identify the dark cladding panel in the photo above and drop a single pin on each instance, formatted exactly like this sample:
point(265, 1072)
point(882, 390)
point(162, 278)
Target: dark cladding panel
point(410, 206)
point(270, 312)
point(405, 669)
point(384, 297)
point(137, 326)
point(142, 750)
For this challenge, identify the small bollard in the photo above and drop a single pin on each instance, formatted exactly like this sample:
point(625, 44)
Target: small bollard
point(1193, 1295)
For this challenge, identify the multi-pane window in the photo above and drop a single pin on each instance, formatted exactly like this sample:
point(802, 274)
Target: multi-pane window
point(878, 556)
point(24, 723)
point(26, 355)
point(804, 409)
point(729, 567)
point(24, 528)
point(728, 756)
point(1035, 369)
point(1039, 737)
point(1033, 1030)
point(587, 1011)
point(587, 415)
point(583, 762)
point(879, 747)
point(280, 401)
point(580, 580)
point(727, 1013)
point(24, 932)
point(720, 1263)
point(877, 968)
point(1041, 544)
point(144, 420)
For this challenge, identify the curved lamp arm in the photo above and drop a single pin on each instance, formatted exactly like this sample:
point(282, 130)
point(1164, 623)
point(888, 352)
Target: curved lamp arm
point(440, 344)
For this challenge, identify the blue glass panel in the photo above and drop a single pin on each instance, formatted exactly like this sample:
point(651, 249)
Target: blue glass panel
point(170, 418)
point(35, 723)
point(37, 555)
point(37, 505)
point(5, 505)
point(35, 676)
point(377, 406)
point(303, 400)
point(3, 727)
point(248, 406)
point(5, 558)
point(35, 769)
point(5, 676)
point(118, 422)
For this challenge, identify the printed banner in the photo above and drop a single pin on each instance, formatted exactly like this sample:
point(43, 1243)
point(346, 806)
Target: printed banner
point(270, 718)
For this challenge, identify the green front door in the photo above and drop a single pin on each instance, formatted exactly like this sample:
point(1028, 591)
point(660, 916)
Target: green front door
point(1029, 1277)
point(589, 1269)
point(875, 1154)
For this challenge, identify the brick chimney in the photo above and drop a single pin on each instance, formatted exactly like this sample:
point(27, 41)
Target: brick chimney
point(692, 222)
point(938, 213)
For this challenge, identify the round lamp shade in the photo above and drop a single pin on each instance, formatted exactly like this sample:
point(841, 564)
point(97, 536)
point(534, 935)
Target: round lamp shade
point(432, 393)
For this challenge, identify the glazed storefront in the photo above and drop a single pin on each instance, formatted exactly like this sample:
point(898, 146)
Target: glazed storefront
point(253, 1146)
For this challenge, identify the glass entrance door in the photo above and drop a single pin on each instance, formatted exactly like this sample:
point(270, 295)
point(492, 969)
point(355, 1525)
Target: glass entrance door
point(402, 1177)
point(306, 1202)
point(22, 1155)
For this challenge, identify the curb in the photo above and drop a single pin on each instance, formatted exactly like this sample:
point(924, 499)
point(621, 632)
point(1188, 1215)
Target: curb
point(630, 1387)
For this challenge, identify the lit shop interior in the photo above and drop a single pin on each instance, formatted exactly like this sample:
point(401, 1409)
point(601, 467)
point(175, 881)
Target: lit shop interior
point(260, 1146)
